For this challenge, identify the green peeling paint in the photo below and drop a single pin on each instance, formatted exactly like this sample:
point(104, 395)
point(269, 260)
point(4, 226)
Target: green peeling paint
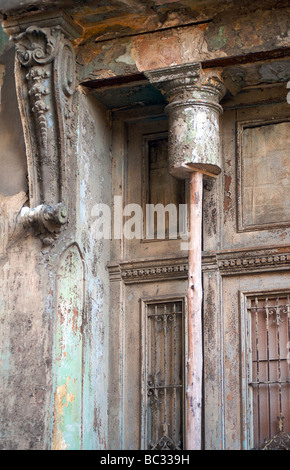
point(67, 426)
point(4, 38)
point(221, 32)
point(217, 40)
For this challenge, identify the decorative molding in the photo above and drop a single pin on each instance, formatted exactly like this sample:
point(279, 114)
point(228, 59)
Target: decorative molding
point(185, 85)
point(259, 260)
point(156, 272)
point(193, 97)
point(45, 82)
point(149, 270)
point(35, 46)
point(241, 126)
point(209, 262)
point(230, 263)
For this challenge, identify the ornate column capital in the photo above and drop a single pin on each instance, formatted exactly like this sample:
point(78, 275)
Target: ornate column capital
point(45, 82)
point(193, 97)
point(189, 84)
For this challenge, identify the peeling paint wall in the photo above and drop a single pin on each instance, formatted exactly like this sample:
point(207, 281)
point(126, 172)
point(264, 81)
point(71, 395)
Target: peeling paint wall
point(94, 186)
point(234, 34)
point(257, 249)
point(25, 323)
point(26, 316)
point(53, 374)
point(68, 352)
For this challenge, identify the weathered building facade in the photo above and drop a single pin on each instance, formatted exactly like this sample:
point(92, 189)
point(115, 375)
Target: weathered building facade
point(108, 107)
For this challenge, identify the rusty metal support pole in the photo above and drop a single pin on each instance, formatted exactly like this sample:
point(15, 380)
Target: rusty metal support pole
point(195, 353)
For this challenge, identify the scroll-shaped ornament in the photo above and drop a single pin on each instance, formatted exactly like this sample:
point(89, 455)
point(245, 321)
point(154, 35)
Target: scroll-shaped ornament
point(45, 76)
point(44, 218)
point(35, 46)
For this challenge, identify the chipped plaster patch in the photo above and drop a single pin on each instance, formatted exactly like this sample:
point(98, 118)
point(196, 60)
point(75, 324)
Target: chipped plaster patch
point(61, 399)
point(126, 58)
point(2, 74)
point(285, 40)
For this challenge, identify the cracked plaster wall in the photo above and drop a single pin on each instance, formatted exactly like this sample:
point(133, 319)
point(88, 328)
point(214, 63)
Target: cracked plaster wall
point(28, 286)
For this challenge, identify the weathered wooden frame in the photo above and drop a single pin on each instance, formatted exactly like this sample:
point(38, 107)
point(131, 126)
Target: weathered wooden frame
point(246, 359)
point(144, 302)
point(240, 126)
point(145, 186)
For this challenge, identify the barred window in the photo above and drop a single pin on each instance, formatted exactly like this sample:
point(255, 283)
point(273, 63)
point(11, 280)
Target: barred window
point(268, 370)
point(164, 375)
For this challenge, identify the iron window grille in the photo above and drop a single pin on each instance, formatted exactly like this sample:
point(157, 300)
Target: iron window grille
point(268, 370)
point(163, 375)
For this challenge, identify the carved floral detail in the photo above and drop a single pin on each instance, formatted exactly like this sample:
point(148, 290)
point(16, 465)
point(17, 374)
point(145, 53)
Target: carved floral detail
point(37, 91)
point(46, 75)
point(35, 49)
point(154, 271)
point(35, 46)
point(248, 262)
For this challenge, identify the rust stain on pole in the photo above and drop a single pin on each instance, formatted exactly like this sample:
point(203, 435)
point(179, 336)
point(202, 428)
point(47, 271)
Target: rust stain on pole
point(195, 360)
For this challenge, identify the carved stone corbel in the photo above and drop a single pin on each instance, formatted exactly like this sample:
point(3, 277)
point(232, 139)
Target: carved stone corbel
point(45, 82)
